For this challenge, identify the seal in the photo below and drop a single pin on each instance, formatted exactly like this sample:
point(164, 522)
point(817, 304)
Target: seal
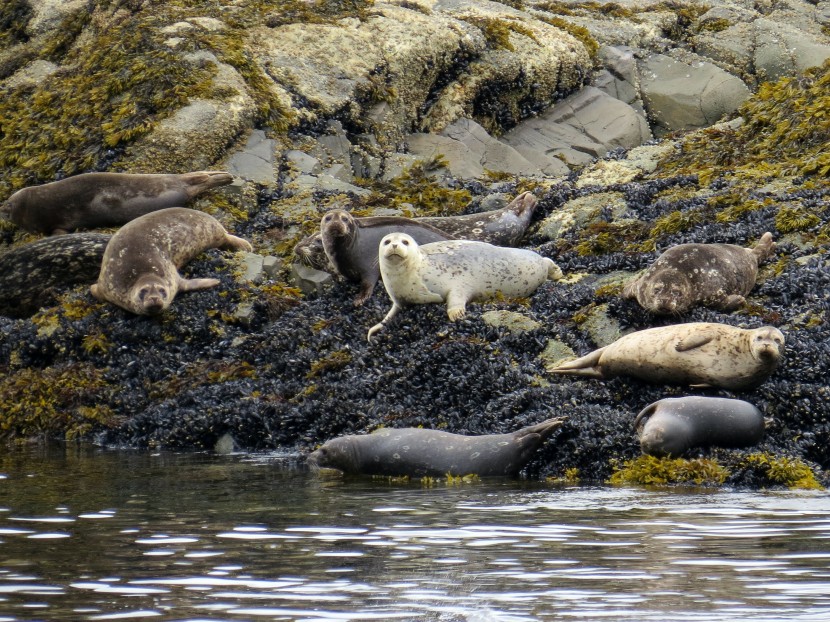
point(417, 452)
point(703, 354)
point(34, 274)
point(92, 200)
point(672, 426)
point(712, 275)
point(502, 227)
point(351, 245)
point(139, 271)
point(456, 272)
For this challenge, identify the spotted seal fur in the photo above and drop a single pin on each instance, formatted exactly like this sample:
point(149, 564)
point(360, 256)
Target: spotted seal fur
point(672, 426)
point(712, 275)
point(702, 354)
point(139, 271)
point(456, 272)
point(92, 200)
point(417, 452)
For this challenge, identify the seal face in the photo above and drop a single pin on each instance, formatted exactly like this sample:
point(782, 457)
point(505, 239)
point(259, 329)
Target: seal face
point(351, 244)
point(672, 426)
point(701, 354)
point(417, 452)
point(139, 271)
point(93, 200)
point(712, 275)
point(503, 227)
point(456, 272)
point(31, 275)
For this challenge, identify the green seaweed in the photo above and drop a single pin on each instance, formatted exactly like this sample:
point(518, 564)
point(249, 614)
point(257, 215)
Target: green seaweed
point(650, 471)
point(783, 471)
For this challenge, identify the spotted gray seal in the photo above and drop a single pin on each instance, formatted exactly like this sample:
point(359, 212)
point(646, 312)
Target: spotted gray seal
point(417, 452)
point(91, 200)
point(139, 271)
point(502, 227)
point(672, 426)
point(698, 354)
point(32, 275)
point(456, 272)
point(351, 245)
point(712, 275)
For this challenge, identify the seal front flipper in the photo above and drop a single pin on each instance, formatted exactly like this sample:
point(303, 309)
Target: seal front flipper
point(234, 243)
point(587, 366)
point(380, 325)
point(694, 341)
point(189, 285)
point(456, 305)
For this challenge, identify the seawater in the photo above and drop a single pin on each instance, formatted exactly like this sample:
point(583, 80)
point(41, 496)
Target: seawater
point(91, 534)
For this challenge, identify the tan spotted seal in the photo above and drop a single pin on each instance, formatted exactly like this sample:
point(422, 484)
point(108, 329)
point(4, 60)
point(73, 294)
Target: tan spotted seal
point(456, 272)
point(92, 200)
point(701, 354)
point(712, 275)
point(351, 245)
point(672, 426)
point(502, 227)
point(139, 271)
point(416, 452)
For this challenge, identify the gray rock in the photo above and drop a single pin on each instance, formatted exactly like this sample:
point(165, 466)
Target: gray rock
point(252, 268)
point(556, 352)
point(302, 162)
point(48, 14)
point(255, 162)
point(619, 78)
point(512, 321)
point(602, 328)
point(781, 50)
point(579, 212)
point(681, 96)
point(309, 280)
point(32, 74)
point(272, 266)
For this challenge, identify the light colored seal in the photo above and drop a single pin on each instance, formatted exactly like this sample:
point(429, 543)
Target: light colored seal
point(32, 275)
point(416, 452)
point(502, 227)
point(456, 272)
point(672, 426)
point(139, 271)
point(92, 200)
point(351, 244)
point(698, 353)
point(712, 275)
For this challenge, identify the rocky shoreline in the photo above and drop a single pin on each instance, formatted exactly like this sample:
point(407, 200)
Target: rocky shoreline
point(345, 107)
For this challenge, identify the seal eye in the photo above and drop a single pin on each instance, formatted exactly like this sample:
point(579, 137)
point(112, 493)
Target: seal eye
point(386, 242)
point(327, 218)
point(405, 242)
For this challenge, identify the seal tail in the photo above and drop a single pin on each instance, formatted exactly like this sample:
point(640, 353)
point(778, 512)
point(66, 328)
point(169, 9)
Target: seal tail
point(764, 248)
point(583, 366)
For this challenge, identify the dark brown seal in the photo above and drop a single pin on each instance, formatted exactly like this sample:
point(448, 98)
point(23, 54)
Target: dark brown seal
point(416, 452)
point(139, 271)
point(32, 275)
point(92, 200)
point(712, 275)
point(698, 353)
point(502, 227)
point(351, 244)
point(672, 426)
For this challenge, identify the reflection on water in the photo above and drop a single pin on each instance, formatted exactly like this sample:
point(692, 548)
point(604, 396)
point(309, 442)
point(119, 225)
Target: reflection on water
point(87, 534)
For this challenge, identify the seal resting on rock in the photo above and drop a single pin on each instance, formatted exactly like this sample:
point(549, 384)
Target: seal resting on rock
point(139, 271)
point(700, 354)
point(33, 274)
point(456, 272)
point(502, 227)
point(351, 244)
point(672, 426)
point(417, 452)
point(712, 275)
point(92, 200)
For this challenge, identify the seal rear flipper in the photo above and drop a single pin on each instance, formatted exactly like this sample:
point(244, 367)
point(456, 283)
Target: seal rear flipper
point(189, 285)
point(93, 289)
point(526, 446)
point(207, 179)
point(764, 248)
point(583, 366)
point(645, 414)
point(543, 429)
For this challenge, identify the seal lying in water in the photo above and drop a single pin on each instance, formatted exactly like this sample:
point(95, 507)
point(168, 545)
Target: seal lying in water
point(92, 200)
point(456, 272)
point(712, 275)
point(502, 227)
point(32, 275)
point(351, 245)
point(672, 426)
point(417, 452)
point(140, 269)
point(699, 354)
